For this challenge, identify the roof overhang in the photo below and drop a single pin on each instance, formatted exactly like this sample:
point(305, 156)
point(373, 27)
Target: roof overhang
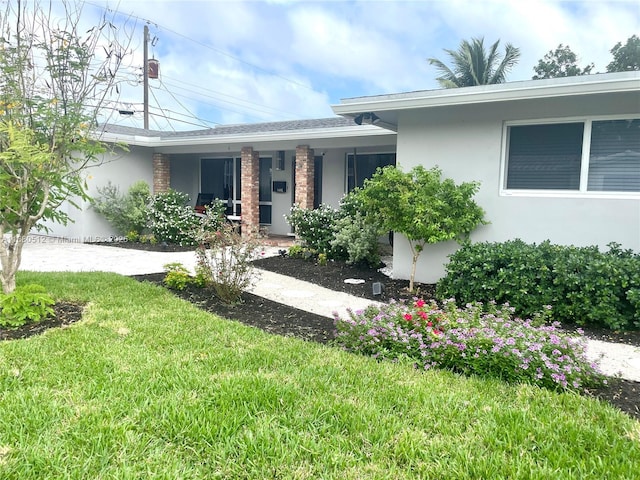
point(386, 107)
point(244, 139)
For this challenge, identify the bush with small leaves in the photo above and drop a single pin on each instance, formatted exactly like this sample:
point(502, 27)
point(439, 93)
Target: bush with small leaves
point(359, 238)
point(584, 285)
point(295, 251)
point(127, 213)
point(27, 303)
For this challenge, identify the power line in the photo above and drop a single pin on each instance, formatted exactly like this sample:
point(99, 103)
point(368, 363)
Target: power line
point(228, 101)
point(217, 50)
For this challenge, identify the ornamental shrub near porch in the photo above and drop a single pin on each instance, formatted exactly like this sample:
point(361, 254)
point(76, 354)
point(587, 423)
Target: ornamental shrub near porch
point(473, 340)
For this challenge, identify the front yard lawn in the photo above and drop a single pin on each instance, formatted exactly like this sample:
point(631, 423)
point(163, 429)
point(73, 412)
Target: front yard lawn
point(148, 386)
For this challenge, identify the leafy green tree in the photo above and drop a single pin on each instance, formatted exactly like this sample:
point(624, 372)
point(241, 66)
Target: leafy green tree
point(52, 87)
point(626, 57)
point(473, 65)
point(422, 206)
point(560, 63)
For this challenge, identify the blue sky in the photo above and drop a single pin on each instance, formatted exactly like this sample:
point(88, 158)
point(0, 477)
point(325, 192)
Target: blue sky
point(226, 62)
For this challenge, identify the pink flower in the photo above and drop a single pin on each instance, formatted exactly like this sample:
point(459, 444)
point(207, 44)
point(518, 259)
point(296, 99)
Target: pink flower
point(407, 316)
point(420, 303)
point(422, 315)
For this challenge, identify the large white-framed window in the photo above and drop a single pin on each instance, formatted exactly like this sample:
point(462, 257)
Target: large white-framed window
point(594, 157)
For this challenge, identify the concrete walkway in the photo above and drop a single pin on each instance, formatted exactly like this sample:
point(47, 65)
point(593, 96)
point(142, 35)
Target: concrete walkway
point(47, 254)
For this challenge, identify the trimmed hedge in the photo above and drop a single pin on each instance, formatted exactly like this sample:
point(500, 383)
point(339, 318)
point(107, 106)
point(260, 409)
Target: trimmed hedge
point(582, 284)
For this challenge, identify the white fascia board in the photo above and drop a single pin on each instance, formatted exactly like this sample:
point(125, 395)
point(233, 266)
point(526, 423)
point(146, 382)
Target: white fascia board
point(529, 90)
point(248, 138)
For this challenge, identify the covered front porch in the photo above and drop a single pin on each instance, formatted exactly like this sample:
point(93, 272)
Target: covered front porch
point(261, 175)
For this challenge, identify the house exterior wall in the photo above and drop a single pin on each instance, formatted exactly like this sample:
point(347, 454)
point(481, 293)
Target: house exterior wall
point(467, 143)
point(333, 173)
point(120, 168)
point(185, 175)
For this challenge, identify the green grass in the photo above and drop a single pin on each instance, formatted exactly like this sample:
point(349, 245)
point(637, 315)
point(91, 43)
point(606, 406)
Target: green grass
point(147, 386)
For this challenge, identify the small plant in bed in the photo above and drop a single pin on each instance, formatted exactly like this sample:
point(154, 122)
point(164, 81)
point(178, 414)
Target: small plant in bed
point(473, 340)
point(224, 257)
point(27, 303)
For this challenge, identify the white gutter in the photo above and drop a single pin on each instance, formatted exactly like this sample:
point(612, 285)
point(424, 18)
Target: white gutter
point(245, 138)
point(529, 90)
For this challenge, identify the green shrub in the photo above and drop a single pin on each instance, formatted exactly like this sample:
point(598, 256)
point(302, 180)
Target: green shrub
point(177, 277)
point(27, 303)
point(473, 340)
point(358, 238)
point(346, 233)
point(172, 220)
point(133, 236)
point(126, 213)
point(296, 251)
point(584, 285)
point(357, 233)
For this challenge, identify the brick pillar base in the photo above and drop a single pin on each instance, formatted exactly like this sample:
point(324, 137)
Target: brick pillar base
point(304, 177)
point(161, 173)
point(249, 185)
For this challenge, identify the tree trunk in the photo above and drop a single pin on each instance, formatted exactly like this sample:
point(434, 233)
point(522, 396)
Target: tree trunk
point(416, 254)
point(10, 258)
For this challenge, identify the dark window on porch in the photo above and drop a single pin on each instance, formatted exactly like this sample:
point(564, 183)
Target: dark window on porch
point(265, 190)
point(364, 166)
point(217, 177)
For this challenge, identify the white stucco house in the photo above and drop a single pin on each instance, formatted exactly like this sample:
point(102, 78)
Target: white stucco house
point(557, 159)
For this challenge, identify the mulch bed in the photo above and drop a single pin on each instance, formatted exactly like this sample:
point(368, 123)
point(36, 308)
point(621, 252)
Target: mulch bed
point(287, 321)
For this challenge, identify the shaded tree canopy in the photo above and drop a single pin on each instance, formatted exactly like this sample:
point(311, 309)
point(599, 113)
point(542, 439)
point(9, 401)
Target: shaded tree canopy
point(562, 62)
point(472, 64)
point(626, 57)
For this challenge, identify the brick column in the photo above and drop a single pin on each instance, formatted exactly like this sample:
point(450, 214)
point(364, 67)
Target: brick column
point(304, 177)
point(249, 185)
point(161, 173)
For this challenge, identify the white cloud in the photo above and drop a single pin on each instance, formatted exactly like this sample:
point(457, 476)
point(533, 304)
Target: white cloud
point(280, 59)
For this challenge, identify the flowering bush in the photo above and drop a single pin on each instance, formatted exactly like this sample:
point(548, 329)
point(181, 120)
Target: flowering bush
point(172, 219)
point(316, 228)
point(473, 340)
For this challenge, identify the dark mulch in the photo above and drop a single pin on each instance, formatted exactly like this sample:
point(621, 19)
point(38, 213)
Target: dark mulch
point(287, 321)
point(66, 313)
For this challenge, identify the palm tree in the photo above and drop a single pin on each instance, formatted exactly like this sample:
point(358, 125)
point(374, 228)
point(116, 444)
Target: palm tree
point(473, 65)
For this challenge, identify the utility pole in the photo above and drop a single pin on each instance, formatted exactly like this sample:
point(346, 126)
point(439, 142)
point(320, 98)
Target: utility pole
point(145, 77)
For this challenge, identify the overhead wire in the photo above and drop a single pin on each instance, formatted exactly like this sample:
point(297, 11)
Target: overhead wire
point(251, 105)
